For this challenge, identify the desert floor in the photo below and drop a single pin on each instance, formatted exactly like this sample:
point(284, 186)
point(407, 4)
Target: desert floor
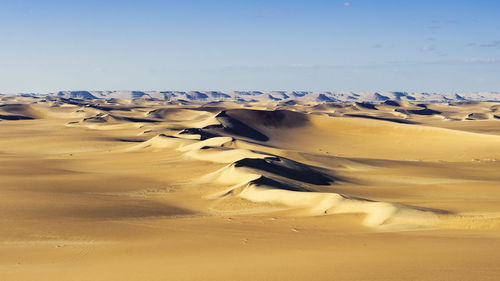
point(155, 190)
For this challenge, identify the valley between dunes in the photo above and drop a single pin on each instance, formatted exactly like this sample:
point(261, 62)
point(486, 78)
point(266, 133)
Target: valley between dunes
point(157, 190)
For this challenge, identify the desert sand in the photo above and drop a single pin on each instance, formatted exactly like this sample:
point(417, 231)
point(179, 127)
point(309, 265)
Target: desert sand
point(151, 190)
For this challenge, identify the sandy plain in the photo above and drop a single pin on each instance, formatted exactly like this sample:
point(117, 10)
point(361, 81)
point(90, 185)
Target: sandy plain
point(158, 190)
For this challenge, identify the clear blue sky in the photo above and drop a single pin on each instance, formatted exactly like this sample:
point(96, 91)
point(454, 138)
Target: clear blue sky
point(358, 45)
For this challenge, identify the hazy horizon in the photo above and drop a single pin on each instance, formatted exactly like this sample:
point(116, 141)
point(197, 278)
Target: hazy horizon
point(244, 90)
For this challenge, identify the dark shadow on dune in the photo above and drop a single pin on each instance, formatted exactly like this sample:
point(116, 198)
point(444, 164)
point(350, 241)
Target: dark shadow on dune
point(391, 103)
point(366, 105)
point(95, 119)
point(208, 108)
point(134, 119)
point(162, 112)
point(204, 134)
point(15, 117)
point(268, 182)
point(130, 140)
point(402, 121)
point(17, 112)
point(236, 127)
point(179, 102)
point(15, 107)
point(287, 103)
point(245, 122)
point(109, 108)
point(325, 98)
point(269, 118)
point(477, 116)
point(425, 111)
point(287, 169)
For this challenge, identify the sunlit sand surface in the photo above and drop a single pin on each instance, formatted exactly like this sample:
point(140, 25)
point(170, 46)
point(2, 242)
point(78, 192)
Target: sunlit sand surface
point(158, 190)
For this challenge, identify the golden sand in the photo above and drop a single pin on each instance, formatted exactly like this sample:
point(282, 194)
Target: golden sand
point(152, 190)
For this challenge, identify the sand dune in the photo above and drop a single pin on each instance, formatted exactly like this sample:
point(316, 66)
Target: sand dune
point(124, 189)
point(18, 112)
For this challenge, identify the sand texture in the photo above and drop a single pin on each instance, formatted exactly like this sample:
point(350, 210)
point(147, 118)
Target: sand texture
point(144, 189)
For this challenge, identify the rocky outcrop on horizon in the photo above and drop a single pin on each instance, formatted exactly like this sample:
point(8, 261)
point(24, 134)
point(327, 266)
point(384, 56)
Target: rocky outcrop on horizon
point(281, 96)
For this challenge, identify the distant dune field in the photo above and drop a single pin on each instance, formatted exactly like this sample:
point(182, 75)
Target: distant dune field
point(153, 189)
